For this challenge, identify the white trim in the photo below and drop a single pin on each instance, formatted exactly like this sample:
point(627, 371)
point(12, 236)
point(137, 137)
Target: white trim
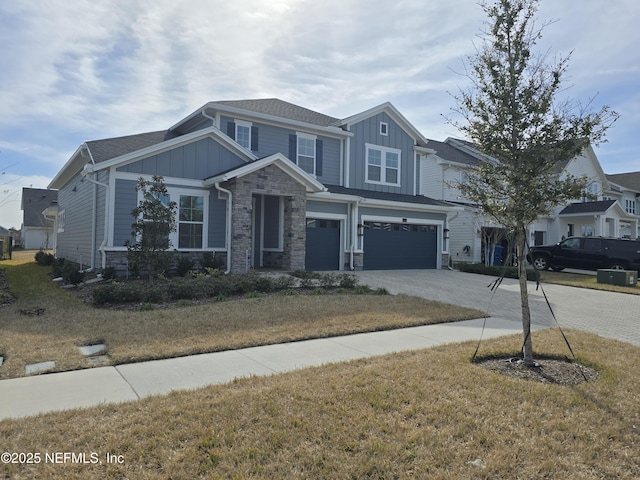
point(383, 164)
point(245, 124)
point(384, 129)
point(279, 160)
point(167, 145)
point(330, 131)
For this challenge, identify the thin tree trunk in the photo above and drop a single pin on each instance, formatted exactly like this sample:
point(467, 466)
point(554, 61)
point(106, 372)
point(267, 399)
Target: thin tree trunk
point(524, 297)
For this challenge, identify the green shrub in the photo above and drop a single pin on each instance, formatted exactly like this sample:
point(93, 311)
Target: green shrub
point(70, 273)
point(57, 267)
point(116, 292)
point(347, 280)
point(329, 280)
point(43, 258)
point(184, 265)
point(284, 282)
point(109, 273)
point(145, 307)
point(209, 261)
point(154, 294)
point(381, 291)
point(361, 290)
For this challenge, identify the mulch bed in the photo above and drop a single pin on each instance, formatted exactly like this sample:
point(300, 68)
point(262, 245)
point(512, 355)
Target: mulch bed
point(548, 370)
point(6, 297)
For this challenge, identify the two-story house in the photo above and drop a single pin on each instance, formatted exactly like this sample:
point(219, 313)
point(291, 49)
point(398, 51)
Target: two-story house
point(470, 230)
point(262, 183)
point(625, 188)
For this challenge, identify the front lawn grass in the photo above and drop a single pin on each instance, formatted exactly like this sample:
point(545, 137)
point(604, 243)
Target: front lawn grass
point(421, 414)
point(131, 335)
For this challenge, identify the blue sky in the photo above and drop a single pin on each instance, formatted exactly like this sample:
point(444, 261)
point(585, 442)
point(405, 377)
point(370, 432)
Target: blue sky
point(81, 70)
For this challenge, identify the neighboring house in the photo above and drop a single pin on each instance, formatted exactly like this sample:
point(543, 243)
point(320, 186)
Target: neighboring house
point(5, 243)
point(625, 188)
point(471, 231)
point(37, 230)
point(262, 183)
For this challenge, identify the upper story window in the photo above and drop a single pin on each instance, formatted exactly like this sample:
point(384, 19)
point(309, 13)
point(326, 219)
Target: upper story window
point(383, 165)
point(630, 206)
point(384, 129)
point(243, 133)
point(306, 157)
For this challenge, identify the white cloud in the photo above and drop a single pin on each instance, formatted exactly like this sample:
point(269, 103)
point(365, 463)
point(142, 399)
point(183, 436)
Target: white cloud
point(84, 69)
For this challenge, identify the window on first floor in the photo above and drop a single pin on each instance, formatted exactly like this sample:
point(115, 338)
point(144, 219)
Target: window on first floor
point(190, 221)
point(383, 165)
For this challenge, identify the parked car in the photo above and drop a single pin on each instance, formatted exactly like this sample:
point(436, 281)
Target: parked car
point(587, 253)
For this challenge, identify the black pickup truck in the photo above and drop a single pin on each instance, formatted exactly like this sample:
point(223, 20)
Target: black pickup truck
point(587, 253)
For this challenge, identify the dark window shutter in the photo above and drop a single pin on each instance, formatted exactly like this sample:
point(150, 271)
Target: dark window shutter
point(254, 139)
point(231, 130)
point(318, 158)
point(293, 148)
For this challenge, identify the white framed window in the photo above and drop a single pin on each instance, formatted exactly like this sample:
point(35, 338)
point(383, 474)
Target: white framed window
point(630, 206)
point(383, 165)
point(191, 215)
point(306, 154)
point(243, 133)
point(190, 221)
point(384, 129)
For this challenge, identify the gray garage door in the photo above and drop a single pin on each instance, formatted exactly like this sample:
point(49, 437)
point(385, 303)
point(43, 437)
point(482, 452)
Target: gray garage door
point(389, 246)
point(323, 244)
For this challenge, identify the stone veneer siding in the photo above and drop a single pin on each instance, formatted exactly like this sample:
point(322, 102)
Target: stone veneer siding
point(270, 180)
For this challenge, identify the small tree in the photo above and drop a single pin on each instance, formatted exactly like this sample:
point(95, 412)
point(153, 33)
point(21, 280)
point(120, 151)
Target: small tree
point(512, 115)
point(155, 220)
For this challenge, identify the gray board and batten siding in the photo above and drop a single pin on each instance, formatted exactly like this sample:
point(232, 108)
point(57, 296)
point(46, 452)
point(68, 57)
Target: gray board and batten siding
point(78, 199)
point(270, 139)
point(199, 160)
point(368, 131)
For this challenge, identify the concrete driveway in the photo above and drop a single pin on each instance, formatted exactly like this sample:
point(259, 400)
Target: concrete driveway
point(608, 314)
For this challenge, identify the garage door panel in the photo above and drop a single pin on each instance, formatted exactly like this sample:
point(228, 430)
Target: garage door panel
point(399, 246)
point(323, 244)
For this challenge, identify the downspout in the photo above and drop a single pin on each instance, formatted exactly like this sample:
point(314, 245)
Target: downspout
point(229, 210)
point(93, 213)
point(354, 233)
point(85, 173)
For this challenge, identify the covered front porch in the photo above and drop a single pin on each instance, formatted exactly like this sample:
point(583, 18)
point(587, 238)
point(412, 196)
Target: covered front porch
point(604, 218)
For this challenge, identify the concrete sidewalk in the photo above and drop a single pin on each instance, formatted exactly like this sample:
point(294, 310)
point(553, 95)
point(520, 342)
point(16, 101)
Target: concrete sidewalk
point(21, 397)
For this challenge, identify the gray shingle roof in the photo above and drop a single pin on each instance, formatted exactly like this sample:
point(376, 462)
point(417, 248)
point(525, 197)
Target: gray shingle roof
point(453, 154)
point(393, 197)
point(34, 201)
point(629, 180)
point(280, 108)
point(108, 148)
point(588, 207)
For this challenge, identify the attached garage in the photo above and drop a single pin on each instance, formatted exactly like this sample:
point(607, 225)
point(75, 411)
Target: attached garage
point(389, 246)
point(323, 244)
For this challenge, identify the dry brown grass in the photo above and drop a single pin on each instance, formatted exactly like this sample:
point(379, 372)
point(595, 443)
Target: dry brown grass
point(130, 336)
point(423, 414)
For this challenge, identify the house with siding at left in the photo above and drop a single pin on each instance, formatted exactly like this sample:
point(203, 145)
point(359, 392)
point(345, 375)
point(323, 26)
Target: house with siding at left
point(37, 227)
point(262, 183)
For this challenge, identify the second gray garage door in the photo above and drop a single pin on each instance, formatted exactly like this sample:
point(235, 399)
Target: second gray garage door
point(390, 246)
